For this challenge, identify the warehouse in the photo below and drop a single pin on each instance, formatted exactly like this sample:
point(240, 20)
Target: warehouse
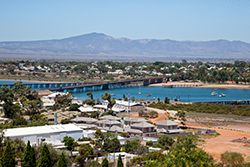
point(49, 134)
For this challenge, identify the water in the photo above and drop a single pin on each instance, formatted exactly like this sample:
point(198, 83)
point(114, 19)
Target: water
point(13, 81)
point(184, 94)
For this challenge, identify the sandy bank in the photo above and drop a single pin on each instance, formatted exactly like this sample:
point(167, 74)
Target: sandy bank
point(218, 86)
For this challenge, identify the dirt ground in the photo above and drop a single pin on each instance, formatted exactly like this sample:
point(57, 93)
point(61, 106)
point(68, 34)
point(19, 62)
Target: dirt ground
point(218, 86)
point(219, 144)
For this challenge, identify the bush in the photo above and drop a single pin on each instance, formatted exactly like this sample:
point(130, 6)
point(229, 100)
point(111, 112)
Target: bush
point(232, 158)
point(150, 143)
point(65, 121)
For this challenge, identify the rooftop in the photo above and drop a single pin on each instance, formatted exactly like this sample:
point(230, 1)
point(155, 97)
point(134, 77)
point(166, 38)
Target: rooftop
point(40, 130)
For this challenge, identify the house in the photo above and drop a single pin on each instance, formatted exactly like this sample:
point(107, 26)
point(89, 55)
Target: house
point(87, 109)
point(108, 123)
point(110, 118)
point(85, 120)
point(145, 127)
point(132, 120)
point(47, 134)
point(122, 106)
point(168, 126)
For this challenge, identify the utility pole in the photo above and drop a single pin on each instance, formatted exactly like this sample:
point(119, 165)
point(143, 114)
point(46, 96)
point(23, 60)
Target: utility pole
point(129, 104)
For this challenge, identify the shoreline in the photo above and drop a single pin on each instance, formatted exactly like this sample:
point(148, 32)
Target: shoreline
point(217, 86)
point(17, 80)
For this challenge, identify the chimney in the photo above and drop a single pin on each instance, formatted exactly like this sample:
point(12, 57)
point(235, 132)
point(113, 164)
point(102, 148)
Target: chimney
point(55, 118)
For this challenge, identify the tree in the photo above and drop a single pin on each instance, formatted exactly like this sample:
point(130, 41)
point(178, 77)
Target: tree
point(135, 147)
point(232, 159)
point(166, 100)
point(7, 96)
point(85, 150)
point(182, 116)
point(133, 98)
point(111, 102)
point(45, 160)
point(124, 97)
point(105, 162)
point(62, 101)
point(111, 143)
point(62, 161)
point(74, 107)
point(90, 94)
point(119, 162)
point(245, 75)
point(159, 100)
point(94, 114)
point(166, 141)
point(8, 158)
point(99, 134)
point(184, 153)
point(29, 158)
point(69, 142)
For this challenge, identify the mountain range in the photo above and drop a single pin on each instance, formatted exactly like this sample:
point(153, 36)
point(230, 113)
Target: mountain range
point(101, 44)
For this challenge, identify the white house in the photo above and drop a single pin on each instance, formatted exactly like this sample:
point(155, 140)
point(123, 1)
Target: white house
point(47, 134)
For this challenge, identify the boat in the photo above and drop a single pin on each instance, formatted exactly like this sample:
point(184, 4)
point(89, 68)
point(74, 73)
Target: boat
point(222, 95)
point(112, 94)
point(213, 93)
point(139, 90)
point(148, 94)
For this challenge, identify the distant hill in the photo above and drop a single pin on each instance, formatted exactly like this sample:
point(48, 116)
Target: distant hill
point(101, 44)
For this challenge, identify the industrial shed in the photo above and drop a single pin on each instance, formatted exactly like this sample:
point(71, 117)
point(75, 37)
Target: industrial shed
point(50, 134)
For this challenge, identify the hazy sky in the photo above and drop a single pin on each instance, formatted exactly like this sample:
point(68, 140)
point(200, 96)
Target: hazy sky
point(198, 20)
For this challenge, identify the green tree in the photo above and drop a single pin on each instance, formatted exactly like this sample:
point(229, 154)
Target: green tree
point(90, 94)
point(166, 141)
point(62, 101)
point(8, 158)
point(45, 160)
point(111, 102)
point(105, 162)
point(119, 162)
point(135, 147)
point(245, 75)
point(69, 142)
point(111, 143)
point(166, 100)
point(29, 158)
point(182, 116)
point(99, 134)
point(74, 107)
point(85, 151)
point(133, 98)
point(7, 96)
point(94, 114)
point(62, 161)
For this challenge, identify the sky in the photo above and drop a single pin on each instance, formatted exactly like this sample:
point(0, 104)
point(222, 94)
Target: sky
point(195, 20)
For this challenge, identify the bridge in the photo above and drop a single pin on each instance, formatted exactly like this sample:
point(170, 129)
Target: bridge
point(227, 102)
point(85, 87)
point(109, 85)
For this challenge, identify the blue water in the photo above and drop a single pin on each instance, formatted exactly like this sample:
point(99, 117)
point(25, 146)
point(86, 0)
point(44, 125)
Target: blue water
point(13, 81)
point(184, 94)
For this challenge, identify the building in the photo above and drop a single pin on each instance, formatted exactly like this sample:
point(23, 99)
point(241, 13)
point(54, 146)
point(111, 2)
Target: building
point(146, 128)
point(121, 106)
point(168, 126)
point(132, 120)
point(47, 134)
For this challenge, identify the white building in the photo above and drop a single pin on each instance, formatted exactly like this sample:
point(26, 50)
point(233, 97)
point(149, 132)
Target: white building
point(49, 134)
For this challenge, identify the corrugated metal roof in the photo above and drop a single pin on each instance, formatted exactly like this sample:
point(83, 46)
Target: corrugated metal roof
point(40, 130)
point(166, 123)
